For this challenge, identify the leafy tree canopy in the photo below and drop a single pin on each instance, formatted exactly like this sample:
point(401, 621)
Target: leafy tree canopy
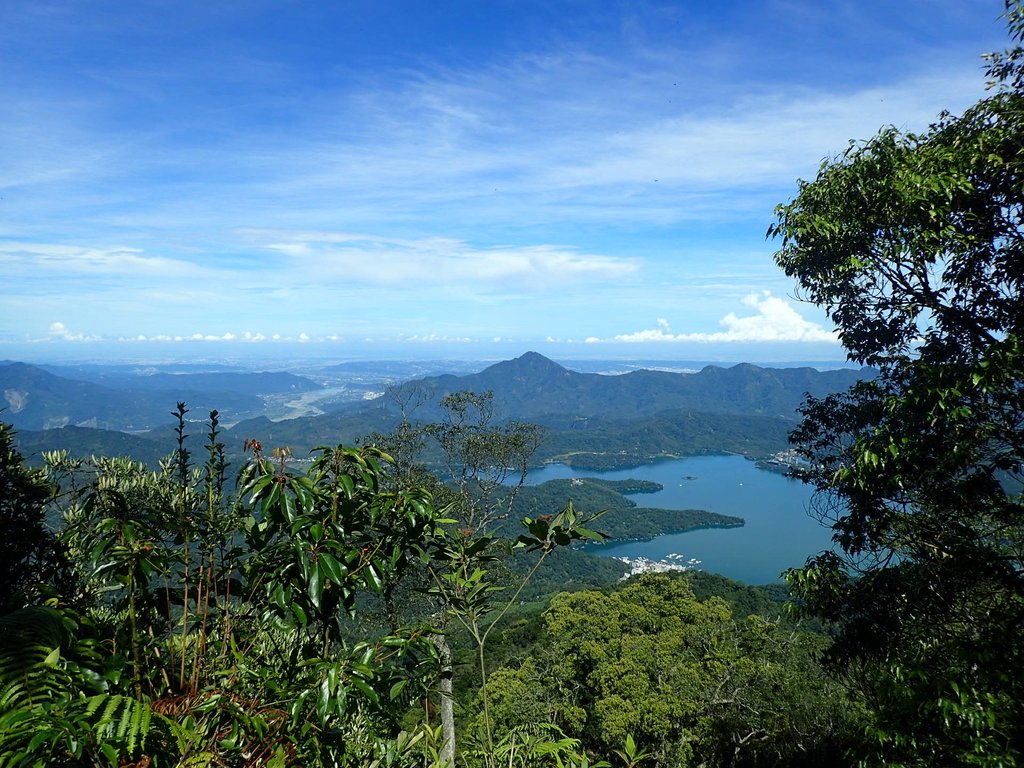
point(914, 245)
point(691, 684)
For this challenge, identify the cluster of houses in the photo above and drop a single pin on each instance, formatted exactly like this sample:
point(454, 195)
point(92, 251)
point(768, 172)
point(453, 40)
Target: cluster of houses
point(671, 562)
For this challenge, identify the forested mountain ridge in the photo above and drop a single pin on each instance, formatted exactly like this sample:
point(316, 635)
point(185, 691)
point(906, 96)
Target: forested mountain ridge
point(238, 382)
point(37, 398)
point(83, 442)
point(592, 421)
point(532, 386)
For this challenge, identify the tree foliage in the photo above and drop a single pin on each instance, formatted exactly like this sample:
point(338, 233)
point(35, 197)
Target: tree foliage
point(914, 245)
point(217, 621)
point(682, 677)
point(29, 553)
point(209, 627)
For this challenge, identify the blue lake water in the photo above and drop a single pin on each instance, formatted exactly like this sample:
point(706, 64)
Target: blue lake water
point(779, 532)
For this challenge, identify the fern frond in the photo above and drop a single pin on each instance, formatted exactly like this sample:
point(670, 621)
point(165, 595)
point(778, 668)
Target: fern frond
point(124, 720)
point(199, 760)
point(31, 641)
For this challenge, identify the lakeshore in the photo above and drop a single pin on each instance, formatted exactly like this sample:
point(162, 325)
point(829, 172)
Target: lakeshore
point(780, 531)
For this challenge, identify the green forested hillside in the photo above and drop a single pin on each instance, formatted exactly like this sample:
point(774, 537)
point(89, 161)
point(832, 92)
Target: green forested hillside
point(84, 442)
point(592, 421)
point(534, 387)
point(600, 443)
point(207, 383)
point(36, 399)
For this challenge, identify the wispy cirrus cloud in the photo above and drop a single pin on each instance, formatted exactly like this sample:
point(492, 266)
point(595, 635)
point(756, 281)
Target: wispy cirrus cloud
point(77, 261)
point(384, 261)
point(565, 172)
point(538, 140)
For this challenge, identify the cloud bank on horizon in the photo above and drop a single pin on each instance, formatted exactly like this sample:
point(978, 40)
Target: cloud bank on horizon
point(561, 176)
point(775, 320)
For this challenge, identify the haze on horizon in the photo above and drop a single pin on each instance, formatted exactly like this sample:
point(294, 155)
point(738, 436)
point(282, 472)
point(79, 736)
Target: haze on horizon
point(467, 179)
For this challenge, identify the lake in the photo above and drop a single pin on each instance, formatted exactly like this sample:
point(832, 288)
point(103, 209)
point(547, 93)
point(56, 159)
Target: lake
point(779, 533)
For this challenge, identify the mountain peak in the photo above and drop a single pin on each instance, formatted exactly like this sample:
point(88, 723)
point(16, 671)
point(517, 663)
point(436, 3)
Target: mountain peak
point(528, 364)
point(534, 359)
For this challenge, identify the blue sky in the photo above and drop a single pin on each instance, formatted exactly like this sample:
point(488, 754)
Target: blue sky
point(460, 179)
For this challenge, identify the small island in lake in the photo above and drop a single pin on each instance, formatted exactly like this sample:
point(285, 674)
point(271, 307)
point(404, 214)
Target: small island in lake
point(644, 523)
point(631, 486)
point(622, 520)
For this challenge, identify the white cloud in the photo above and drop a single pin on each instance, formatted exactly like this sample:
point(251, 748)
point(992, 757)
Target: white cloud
point(86, 261)
point(430, 338)
point(775, 320)
point(450, 262)
point(581, 138)
point(60, 332)
point(767, 138)
point(228, 336)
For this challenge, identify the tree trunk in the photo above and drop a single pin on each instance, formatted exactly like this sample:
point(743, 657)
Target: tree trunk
point(444, 686)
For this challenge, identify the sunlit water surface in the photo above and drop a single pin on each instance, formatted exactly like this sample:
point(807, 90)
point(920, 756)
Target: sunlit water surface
point(779, 532)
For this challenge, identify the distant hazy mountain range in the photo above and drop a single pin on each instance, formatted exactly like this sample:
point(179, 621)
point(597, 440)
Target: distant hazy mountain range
point(36, 398)
point(593, 420)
